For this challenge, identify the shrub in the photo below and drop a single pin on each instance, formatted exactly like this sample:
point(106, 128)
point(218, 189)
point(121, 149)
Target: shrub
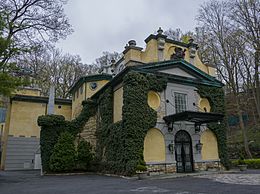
point(84, 155)
point(251, 163)
point(141, 168)
point(63, 156)
point(241, 160)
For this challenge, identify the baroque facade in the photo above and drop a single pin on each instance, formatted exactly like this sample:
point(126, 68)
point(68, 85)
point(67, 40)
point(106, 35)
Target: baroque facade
point(180, 140)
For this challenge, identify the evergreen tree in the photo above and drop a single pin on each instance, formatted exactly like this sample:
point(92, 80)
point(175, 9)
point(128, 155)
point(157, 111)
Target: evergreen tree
point(85, 155)
point(63, 156)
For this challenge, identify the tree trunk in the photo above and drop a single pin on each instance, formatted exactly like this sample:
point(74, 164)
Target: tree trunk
point(243, 129)
point(257, 81)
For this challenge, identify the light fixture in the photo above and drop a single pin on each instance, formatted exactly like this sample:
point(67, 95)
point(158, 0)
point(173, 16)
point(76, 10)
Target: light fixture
point(199, 146)
point(197, 128)
point(171, 147)
point(170, 126)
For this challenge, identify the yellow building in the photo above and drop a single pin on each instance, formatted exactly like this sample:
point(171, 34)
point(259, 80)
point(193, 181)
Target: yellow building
point(21, 135)
point(180, 141)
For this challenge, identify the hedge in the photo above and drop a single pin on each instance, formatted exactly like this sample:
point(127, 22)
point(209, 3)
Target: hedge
point(251, 163)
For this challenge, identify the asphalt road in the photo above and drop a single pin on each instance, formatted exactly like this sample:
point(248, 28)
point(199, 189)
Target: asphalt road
point(27, 182)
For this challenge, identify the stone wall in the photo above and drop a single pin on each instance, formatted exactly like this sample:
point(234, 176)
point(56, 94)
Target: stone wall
point(208, 165)
point(162, 168)
point(89, 131)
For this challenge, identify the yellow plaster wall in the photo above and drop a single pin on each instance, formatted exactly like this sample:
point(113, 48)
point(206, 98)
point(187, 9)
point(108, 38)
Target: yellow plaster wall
point(150, 53)
point(154, 146)
point(76, 102)
point(64, 110)
point(23, 118)
point(133, 54)
point(204, 103)
point(153, 99)
point(210, 146)
point(87, 93)
point(118, 104)
point(28, 92)
point(100, 84)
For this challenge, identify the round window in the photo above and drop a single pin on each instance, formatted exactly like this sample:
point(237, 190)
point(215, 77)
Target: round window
point(93, 85)
point(153, 99)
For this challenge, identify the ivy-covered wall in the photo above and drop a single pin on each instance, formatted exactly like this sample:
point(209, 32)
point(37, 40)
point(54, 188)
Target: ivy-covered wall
point(121, 144)
point(217, 102)
point(53, 125)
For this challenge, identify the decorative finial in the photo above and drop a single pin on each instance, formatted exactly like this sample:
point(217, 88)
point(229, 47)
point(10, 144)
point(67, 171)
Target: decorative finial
point(160, 31)
point(132, 43)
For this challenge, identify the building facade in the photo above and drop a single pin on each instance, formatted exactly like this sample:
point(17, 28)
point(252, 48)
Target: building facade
point(180, 139)
point(21, 135)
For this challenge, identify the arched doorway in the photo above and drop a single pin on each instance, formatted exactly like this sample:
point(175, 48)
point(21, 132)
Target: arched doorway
point(183, 152)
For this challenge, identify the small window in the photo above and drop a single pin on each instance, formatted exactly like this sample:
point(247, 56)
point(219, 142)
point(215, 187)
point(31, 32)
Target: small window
point(59, 107)
point(81, 89)
point(73, 97)
point(77, 93)
point(180, 102)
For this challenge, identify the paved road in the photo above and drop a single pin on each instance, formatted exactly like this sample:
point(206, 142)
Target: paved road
point(27, 182)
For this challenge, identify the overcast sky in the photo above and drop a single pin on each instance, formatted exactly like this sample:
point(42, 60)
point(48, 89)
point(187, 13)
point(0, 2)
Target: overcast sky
point(107, 25)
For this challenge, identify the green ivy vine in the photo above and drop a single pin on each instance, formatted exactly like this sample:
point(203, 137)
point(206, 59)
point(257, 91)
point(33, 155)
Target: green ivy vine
point(121, 144)
point(53, 125)
point(217, 102)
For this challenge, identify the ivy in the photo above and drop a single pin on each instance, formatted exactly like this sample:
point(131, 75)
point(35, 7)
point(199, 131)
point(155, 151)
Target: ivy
point(105, 119)
point(53, 125)
point(121, 143)
point(217, 103)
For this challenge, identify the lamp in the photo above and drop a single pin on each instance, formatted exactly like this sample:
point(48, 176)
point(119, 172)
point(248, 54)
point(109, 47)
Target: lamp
point(171, 147)
point(170, 126)
point(197, 128)
point(199, 146)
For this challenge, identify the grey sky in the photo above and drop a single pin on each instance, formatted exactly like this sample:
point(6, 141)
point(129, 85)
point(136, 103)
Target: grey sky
point(107, 25)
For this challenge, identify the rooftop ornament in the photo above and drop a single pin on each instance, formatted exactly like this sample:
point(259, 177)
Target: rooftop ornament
point(179, 53)
point(160, 31)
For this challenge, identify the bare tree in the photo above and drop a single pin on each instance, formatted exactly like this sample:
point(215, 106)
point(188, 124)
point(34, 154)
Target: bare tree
point(106, 58)
point(25, 24)
point(246, 14)
point(49, 66)
point(224, 50)
point(174, 34)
